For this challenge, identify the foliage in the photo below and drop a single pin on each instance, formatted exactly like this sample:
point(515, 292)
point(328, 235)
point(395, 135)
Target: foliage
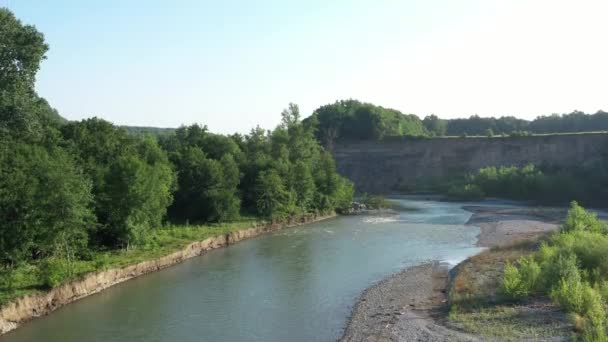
point(375, 202)
point(274, 200)
point(521, 281)
point(466, 192)
point(52, 272)
point(132, 180)
point(21, 51)
point(579, 219)
point(354, 120)
point(530, 182)
point(435, 126)
point(44, 201)
point(572, 268)
point(76, 197)
point(275, 174)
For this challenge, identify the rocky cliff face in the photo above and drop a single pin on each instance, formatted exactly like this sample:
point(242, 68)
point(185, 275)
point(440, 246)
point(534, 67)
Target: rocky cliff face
point(392, 166)
point(29, 307)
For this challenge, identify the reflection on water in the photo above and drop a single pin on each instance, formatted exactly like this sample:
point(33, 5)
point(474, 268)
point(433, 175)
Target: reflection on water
point(294, 285)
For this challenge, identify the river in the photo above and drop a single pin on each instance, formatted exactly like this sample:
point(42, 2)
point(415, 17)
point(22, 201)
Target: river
point(297, 284)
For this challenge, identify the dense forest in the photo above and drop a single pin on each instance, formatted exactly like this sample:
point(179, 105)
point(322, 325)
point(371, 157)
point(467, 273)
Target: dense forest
point(69, 190)
point(353, 120)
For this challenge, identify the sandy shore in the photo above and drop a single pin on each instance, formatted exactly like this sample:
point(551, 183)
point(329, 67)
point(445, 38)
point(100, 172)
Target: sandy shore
point(410, 305)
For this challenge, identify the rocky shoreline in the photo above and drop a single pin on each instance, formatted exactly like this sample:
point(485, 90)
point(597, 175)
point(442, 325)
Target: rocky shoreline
point(26, 308)
point(412, 305)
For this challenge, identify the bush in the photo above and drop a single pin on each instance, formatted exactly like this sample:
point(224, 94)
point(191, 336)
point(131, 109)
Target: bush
point(572, 267)
point(523, 281)
point(557, 267)
point(595, 316)
point(375, 202)
point(53, 272)
point(568, 294)
point(511, 286)
point(466, 192)
point(579, 219)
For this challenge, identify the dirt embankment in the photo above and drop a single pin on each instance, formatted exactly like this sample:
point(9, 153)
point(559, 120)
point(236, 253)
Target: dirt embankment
point(28, 307)
point(410, 306)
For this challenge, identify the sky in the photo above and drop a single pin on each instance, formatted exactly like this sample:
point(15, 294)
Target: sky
point(232, 65)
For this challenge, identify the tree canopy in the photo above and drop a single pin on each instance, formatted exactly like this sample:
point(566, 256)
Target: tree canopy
point(69, 187)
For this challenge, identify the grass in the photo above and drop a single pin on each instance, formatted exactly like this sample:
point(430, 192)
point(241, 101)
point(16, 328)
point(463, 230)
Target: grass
point(26, 279)
point(477, 307)
point(511, 323)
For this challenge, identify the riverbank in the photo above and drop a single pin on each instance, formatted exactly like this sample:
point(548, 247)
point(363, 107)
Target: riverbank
point(30, 306)
point(412, 305)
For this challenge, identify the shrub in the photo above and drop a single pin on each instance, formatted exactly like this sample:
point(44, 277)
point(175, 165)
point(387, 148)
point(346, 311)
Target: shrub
point(468, 192)
point(558, 267)
point(579, 219)
point(512, 283)
point(376, 202)
point(530, 274)
point(523, 281)
point(593, 310)
point(572, 267)
point(568, 294)
point(52, 272)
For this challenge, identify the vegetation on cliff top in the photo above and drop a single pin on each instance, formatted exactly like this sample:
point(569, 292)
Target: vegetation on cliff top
point(78, 196)
point(349, 120)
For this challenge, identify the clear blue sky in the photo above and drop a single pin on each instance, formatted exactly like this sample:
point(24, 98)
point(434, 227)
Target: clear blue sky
point(234, 64)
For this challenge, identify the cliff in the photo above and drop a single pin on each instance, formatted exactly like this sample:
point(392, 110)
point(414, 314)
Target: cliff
point(396, 165)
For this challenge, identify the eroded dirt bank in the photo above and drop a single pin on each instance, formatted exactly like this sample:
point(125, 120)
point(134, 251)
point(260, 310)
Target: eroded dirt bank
point(411, 305)
point(23, 309)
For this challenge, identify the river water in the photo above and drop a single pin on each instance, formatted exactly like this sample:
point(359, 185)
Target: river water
point(298, 284)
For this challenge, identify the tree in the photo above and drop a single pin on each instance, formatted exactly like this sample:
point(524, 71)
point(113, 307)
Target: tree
point(351, 119)
point(21, 52)
point(23, 115)
point(435, 126)
point(44, 202)
point(139, 188)
point(273, 199)
point(208, 175)
point(131, 176)
point(303, 185)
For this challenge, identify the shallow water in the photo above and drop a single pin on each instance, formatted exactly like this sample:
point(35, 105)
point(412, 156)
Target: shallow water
point(298, 284)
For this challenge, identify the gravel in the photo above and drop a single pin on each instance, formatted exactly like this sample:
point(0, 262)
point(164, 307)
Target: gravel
point(410, 305)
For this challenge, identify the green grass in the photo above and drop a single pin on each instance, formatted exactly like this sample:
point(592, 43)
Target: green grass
point(26, 279)
point(511, 323)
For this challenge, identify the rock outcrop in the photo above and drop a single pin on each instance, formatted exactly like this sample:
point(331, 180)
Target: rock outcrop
point(391, 166)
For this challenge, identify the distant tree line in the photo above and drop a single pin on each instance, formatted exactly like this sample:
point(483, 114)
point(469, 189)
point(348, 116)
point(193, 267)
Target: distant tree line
point(67, 188)
point(475, 125)
point(350, 120)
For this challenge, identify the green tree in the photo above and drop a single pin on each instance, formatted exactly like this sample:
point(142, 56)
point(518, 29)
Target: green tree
point(44, 202)
point(21, 52)
point(434, 125)
point(273, 198)
point(132, 180)
point(303, 185)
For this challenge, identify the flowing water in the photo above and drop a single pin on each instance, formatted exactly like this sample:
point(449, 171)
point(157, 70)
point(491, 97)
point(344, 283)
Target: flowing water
point(298, 284)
